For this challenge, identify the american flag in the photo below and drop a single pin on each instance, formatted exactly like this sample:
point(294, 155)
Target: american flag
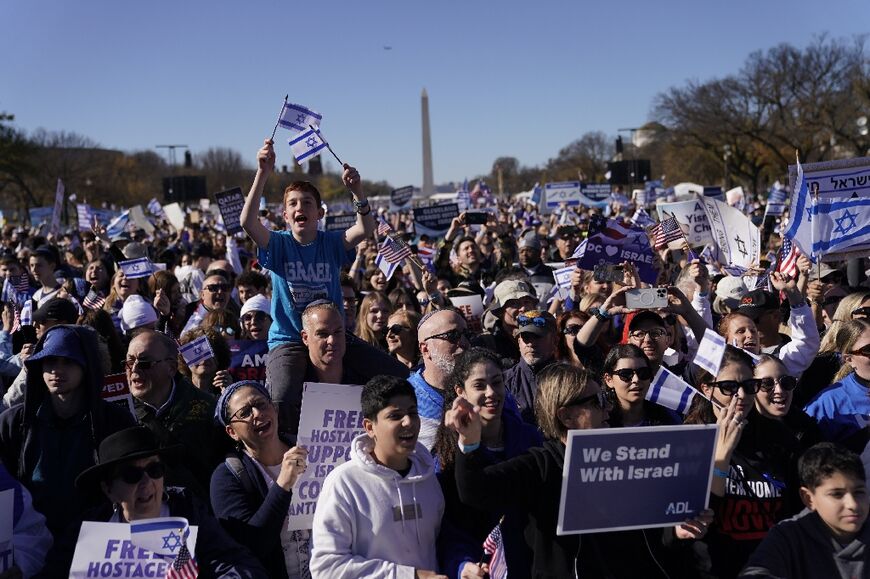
point(666, 232)
point(788, 256)
point(20, 283)
point(384, 227)
point(427, 256)
point(495, 547)
point(94, 300)
point(394, 250)
point(184, 566)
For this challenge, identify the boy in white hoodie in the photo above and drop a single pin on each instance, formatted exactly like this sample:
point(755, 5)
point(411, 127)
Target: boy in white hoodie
point(378, 514)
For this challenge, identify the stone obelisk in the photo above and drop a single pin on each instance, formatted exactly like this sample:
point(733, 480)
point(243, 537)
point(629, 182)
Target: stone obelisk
point(428, 181)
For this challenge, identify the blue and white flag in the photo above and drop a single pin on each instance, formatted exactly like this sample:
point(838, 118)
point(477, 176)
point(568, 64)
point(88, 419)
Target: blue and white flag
point(136, 268)
point(642, 219)
point(58, 207)
point(154, 208)
point(196, 351)
point(163, 536)
point(389, 268)
point(307, 145)
point(118, 224)
point(563, 280)
point(536, 193)
point(579, 250)
point(830, 209)
point(463, 197)
point(670, 391)
point(710, 352)
point(776, 199)
point(298, 118)
point(85, 220)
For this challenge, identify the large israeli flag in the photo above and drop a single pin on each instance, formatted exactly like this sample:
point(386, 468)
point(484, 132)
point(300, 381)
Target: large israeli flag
point(307, 145)
point(830, 208)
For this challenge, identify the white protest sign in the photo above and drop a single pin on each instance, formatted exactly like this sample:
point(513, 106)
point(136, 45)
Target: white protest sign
point(736, 198)
point(710, 352)
point(58, 207)
point(686, 191)
point(7, 511)
point(472, 309)
point(175, 215)
point(567, 192)
point(691, 213)
point(106, 550)
point(331, 418)
point(137, 216)
point(737, 239)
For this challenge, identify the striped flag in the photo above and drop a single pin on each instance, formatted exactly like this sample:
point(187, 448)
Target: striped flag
point(307, 145)
point(385, 266)
point(384, 227)
point(94, 300)
point(427, 256)
point(154, 207)
point(184, 566)
point(788, 256)
point(298, 118)
point(641, 218)
point(666, 232)
point(670, 391)
point(118, 224)
point(394, 250)
point(494, 546)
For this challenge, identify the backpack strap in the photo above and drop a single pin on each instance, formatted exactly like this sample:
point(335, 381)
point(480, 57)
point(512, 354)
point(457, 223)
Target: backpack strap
point(235, 466)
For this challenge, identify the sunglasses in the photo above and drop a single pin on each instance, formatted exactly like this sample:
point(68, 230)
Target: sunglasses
point(626, 374)
point(254, 316)
point(862, 351)
point(397, 329)
point(864, 311)
point(217, 287)
point(537, 321)
point(655, 334)
point(730, 387)
point(600, 399)
point(571, 330)
point(131, 363)
point(787, 383)
point(133, 474)
point(247, 411)
point(453, 336)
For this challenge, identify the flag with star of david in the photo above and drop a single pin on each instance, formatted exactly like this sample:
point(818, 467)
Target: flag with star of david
point(299, 118)
point(307, 145)
point(163, 536)
point(829, 211)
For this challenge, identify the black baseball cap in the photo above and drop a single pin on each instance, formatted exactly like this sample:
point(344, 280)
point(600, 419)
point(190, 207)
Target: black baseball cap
point(756, 302)
point(58, 309)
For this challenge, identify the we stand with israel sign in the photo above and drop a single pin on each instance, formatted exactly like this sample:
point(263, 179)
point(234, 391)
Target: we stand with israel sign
point(635, 478)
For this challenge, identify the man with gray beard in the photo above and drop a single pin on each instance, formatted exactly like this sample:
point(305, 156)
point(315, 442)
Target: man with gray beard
point(442, 337)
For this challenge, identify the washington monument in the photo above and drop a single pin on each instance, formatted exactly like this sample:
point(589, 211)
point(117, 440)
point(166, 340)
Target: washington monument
point(428, 181)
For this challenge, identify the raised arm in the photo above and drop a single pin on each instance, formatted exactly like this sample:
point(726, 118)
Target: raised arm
point(250, 218)
point(365, 221)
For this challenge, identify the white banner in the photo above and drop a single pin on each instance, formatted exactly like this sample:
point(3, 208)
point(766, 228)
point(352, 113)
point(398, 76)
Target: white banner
point(472, 309)
point(737, 239)
point(689, 213)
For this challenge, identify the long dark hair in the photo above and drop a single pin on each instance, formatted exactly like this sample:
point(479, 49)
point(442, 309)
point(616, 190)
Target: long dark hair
point(701, 410)
point(446, 439)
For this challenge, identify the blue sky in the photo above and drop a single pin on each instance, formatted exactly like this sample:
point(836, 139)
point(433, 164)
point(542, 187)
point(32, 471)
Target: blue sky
point(504, 78)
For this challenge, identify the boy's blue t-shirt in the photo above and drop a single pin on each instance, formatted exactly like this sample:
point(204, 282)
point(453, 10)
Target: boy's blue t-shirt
point(300, 275)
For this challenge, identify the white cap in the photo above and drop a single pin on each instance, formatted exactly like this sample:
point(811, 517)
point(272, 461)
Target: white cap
point(136, 312)
point(257, 303)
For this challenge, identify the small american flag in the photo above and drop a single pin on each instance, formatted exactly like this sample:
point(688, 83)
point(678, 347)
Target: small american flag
point(94, 300)
point(394, 250)
point(788, 256)
point(494, 546)
point(20, 283)
point(384, 227)
point(666, 232)
point(184, 566)
point(427, 256)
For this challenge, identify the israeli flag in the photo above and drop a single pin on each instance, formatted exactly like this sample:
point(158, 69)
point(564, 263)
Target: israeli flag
point(563, 280)
point(196, 351)
point(154, 207)
point(670, 391)
point(298, 118)
point(710, 352)
point(385, 266)
point(118, 224)
point(579, 250)
point(536, 193)
point(136, 268)
point(163, 536)
point(307, 145)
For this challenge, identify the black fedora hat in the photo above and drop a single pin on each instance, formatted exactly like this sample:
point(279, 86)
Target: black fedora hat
point(128, 444)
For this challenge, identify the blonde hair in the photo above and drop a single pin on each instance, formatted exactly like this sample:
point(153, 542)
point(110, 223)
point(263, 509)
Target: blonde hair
point(588, 299)
point(141, 289)
point(363, 331)
point(558, 385)
point(849, 334)
point(842, 314)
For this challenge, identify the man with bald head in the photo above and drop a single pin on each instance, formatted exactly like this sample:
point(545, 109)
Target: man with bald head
point(442, 337)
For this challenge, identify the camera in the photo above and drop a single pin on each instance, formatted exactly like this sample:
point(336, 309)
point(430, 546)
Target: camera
point(651, 298)
point(607, 272)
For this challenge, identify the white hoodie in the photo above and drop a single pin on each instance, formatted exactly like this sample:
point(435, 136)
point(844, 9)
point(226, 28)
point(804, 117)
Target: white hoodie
point(372, 522)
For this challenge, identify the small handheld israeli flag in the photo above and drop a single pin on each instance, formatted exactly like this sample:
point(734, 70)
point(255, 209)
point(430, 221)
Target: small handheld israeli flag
point(155, 208)
point(163, 536)
point(196, 351)
point(136, 268)
point(563, 280)
point(670, 391)
point(386, 266)
point(710, 352)
point(307, 145)
point(297, 117)
point(118, 224)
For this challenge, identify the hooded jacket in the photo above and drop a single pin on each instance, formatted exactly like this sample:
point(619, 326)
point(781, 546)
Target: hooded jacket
point(45, 452)
point(372, 522)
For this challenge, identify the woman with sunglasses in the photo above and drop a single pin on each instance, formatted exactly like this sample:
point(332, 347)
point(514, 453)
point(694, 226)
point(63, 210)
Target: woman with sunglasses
point(567, 325)
point(775, 398)
point(402, 337)
point(252, 488)
point(842, 409)
point(256, 318)
point(371, 321)
point(129, 477)
point(627, 374)
point(755, 483)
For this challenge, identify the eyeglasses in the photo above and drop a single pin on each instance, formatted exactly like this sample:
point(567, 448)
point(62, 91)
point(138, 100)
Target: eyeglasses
point(133, 474)
point(397, 329)
point(654, 334)
point(571, 330)
point(862, 351)
point(130, 363)
point(862, 312)
point(730, 387)
point(247, 411)
point(626, 374)
point(349, 303)
point(217, 287)
point(787, 383)
point(537, 321)
point(600, 398)
point(254, 316)
point(452, 336)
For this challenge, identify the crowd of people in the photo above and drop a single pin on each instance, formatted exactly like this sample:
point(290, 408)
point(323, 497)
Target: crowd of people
point(466, 418)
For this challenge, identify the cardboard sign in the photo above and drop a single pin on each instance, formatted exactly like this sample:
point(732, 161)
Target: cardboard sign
point(248, 360)
point(635, 478)
point(7, 512)
point(691, 213)
point(596, 191)
point(117, 391)
point(174, 215)
point(137, 216)
point(472, 310)
point(400, 199)
point(331, 418)
point(435, 220)
point(230, 204)
point(106, 550)
point(340, 222)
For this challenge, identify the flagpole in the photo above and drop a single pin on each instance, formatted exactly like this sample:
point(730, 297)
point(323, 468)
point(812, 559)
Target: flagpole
point(328, 146)
point(278, 122)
